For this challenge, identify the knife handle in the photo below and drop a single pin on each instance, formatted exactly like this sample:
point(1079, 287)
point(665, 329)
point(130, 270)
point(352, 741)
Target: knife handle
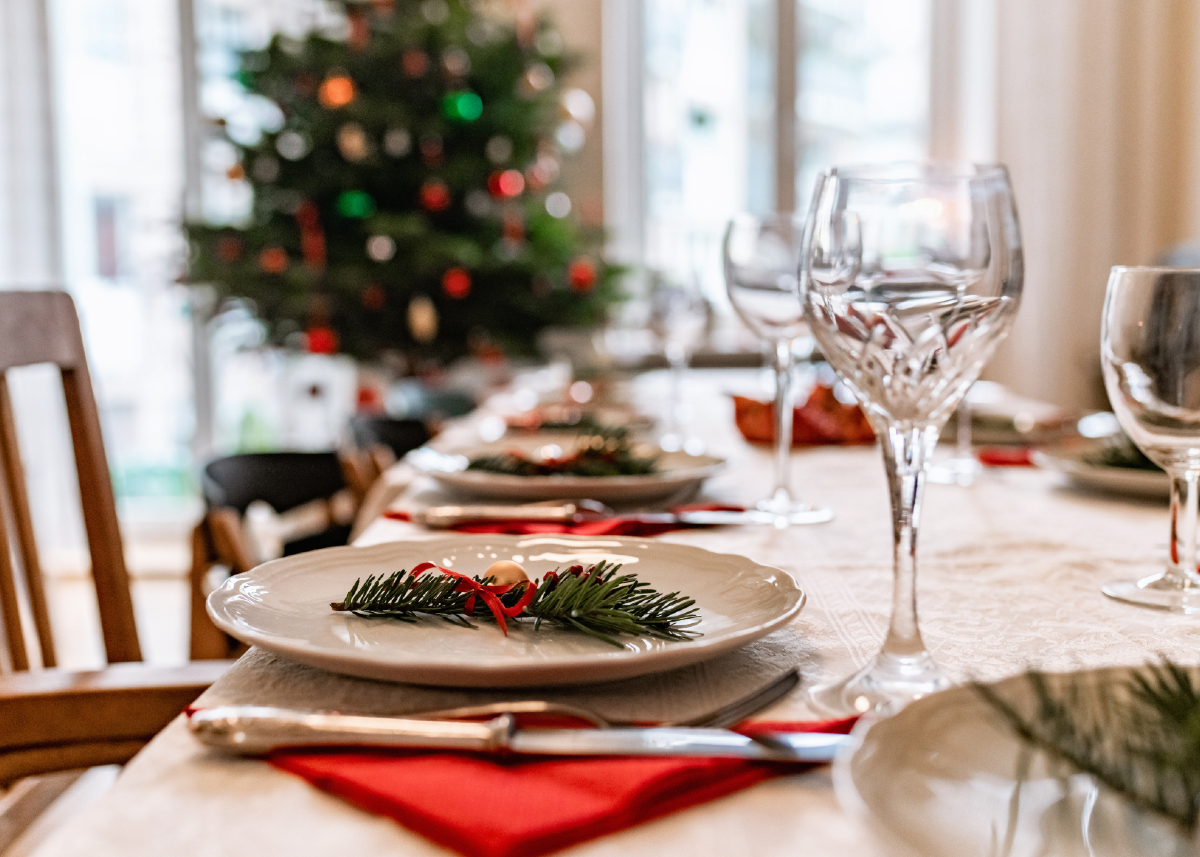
point(444, 517)
point(254, 730)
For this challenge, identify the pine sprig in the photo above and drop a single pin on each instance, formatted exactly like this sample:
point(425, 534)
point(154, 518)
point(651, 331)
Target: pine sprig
point(595, 601)
point(1140, 737)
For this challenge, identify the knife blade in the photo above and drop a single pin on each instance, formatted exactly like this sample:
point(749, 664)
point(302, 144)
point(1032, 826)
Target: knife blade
point(257, 730)
point(444, 517)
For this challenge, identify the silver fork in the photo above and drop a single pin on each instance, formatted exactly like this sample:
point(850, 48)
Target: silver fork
point(720, 718)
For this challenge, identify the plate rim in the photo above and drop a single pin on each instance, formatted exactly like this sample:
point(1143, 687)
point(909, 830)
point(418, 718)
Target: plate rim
point(704, 648)
point(846, 789)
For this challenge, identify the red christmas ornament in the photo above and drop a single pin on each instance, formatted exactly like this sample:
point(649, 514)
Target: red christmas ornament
point(312, 236)
point(514, 227)
point(228, 249)
point(456, 283)
point(273, 259)
point(506, 183)
point(581, 274)
point(374, 297)
point(360, 32)
point(435, 195)
point(414, 62)
point(322, 340)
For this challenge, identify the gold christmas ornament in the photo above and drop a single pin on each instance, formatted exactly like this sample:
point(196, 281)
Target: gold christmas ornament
point(422, 319)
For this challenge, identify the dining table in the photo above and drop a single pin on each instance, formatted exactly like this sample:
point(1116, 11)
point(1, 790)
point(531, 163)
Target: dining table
point(1010, 570)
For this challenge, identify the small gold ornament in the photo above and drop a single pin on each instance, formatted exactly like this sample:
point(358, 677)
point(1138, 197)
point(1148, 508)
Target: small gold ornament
point(505, 573)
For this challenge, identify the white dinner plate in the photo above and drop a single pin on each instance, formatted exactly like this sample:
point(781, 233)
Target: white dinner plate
point(941, 779)
point(283, 606)
point(1071, 459)
point(677, 471)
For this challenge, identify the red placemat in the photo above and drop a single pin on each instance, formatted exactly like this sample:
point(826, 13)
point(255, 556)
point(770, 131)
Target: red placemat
point(487, 806)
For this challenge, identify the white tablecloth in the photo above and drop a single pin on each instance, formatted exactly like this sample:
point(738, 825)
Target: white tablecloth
point(1009, 579)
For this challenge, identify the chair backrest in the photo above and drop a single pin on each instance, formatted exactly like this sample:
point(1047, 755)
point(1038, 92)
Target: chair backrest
point(43, 327)
point(285, 480)
point(401, 435)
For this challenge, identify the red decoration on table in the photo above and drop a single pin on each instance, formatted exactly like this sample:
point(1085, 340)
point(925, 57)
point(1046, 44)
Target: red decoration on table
point(820, 420)
point(488, 806)
point(614, 526)
point(487, 593)
point(1005, 456)
point(456, 283)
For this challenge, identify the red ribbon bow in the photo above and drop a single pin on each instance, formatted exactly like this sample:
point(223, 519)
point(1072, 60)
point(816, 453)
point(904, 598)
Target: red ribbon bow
point(486, 592)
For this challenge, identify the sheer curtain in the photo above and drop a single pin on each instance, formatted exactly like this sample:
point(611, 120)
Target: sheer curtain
point(1092, 104)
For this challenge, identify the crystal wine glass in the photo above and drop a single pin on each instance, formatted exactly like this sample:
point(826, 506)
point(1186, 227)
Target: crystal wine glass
point(760, 257)
point(912, 275)
point(1150, 351)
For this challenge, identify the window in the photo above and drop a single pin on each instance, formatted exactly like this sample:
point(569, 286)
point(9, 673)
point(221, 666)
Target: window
point(705, 126)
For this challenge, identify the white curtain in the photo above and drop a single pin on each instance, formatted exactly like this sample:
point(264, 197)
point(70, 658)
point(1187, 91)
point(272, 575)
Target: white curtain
point(1093, 106)
point(28, 190)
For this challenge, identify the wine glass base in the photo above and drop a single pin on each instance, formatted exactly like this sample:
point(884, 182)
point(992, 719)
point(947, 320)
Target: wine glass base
point(885, 685)
point(785, 512)
point(1159, 592)
point(954, 471)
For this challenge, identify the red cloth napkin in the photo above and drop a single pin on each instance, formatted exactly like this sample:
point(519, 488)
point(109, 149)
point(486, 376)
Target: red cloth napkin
point(615, 526)
point(486, 806)
point(1005, 456)
point(820, 420)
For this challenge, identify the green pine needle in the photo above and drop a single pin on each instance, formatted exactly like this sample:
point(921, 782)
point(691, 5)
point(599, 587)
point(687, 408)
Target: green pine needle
point(1140, 737)
point(596, 602)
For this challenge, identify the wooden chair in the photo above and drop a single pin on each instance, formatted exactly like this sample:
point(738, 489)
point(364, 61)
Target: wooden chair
point(53, 720)
point(325, 487)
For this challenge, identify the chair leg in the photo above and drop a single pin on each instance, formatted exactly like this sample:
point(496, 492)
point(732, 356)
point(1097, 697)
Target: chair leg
point(207, 642)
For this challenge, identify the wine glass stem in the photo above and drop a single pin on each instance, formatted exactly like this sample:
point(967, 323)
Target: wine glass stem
point(1183, 527)
point(905, 450)
point(784, 361)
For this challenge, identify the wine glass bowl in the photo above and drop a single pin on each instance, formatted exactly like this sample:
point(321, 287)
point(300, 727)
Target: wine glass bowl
point(911, 277)
point(1150, 354)
point(761, 256)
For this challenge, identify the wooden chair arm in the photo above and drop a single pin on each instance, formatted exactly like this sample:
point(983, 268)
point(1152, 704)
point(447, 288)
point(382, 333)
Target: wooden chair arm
point(44, 714)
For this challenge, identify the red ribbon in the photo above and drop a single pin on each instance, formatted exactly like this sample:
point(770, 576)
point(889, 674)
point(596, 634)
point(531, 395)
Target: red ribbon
point(486, 592)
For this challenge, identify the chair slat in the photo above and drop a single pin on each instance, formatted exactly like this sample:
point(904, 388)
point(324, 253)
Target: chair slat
point(100, 519)
point(10, 607)
point(14, 475)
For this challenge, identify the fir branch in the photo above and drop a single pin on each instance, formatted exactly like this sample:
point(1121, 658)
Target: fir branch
point(595, 601)
point(1140, 737)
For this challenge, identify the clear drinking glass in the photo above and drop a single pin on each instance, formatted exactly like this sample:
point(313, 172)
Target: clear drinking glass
point(912, 274)
point(760, 256)
point(1150, 351)
point(679, 318)
point(961, 467)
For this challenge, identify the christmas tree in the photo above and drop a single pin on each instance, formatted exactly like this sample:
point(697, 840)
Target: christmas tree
point(407, 201)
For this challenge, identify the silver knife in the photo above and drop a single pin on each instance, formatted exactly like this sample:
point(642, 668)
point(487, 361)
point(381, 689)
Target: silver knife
point(254, 730)
point(443, 517)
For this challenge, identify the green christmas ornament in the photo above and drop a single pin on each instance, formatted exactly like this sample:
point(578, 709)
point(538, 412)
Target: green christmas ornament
point(462, 106)
point(355, 204)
